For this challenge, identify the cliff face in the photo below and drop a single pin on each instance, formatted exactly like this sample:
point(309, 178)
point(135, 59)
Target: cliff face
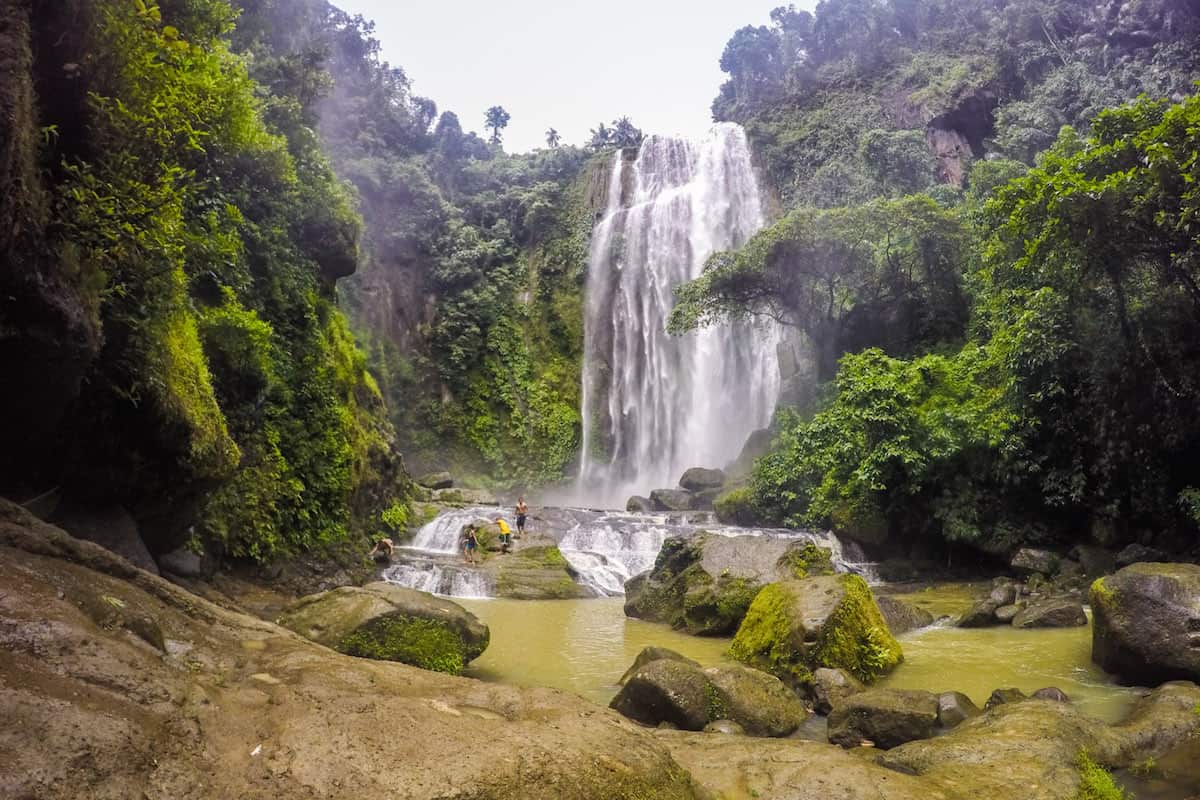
point(49, 333)
point(169, 340)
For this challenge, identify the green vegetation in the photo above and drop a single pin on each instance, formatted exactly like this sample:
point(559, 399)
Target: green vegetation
point(412, 640)
point(856, 637)
point(808, 559)
point(1095, 782)
point(1001, 310)
point(193, 214)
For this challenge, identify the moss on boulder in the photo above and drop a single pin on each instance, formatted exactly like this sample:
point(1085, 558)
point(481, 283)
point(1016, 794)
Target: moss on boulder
point(386, 622)
point(535, 570)
point(705, 584)
point(794, 627)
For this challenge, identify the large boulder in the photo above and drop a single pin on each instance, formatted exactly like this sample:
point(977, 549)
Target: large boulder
point(1138, 553)
point(679, 692)
point(902, 617)
point(794, 627)
point(390, 623)
point(737, 507)
point(704, 584)
point(1032, 560)
point(1146, 623)
point(1050, 614)
point(699, 479)
point(1030, 749)
point(884, 717)
point(436, 480)
point(955, 708)
point(831, 686)
point(639, 505)
point(980, 615)
point(535, 570)
point(649, 654)
point(671, 500)
point(113, 528)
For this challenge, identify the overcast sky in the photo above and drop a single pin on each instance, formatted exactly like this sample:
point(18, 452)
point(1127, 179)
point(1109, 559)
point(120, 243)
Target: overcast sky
point(565, 63)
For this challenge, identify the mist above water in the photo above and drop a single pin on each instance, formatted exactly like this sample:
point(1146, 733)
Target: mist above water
point(654, 404)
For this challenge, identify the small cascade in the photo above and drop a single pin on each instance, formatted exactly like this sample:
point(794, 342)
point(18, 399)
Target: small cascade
point(449, 580)
point(607, 549)
point(441, 535)
point(430, 563)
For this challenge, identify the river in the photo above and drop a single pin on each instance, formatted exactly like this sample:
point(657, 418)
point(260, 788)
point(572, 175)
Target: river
point(584, 646)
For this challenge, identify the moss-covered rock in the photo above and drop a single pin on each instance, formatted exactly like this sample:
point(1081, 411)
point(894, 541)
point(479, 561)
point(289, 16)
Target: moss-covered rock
point(680, 692)
point(390, 623)
point(535, 570)
point(794, 627)
point(902, 617)
point(705, 584)
point(737, 507)
point(649, 654)
point(1145, 620)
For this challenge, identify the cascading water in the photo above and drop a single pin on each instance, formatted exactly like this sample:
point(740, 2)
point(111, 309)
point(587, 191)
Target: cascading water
point(430, 563)
point(655, 404)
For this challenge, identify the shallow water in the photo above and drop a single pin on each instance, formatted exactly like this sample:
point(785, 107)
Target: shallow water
point(979, 660)
point(584, 646)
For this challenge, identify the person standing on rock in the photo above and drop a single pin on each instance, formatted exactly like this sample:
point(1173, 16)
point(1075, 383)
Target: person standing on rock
point(505, 534)
point(522, 511)
point(470, 542)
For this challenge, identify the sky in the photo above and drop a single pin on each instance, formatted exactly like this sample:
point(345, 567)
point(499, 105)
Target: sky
point(565, 64)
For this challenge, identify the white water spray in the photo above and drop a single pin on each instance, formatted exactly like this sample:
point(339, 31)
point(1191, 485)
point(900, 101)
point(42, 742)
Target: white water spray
point(654, 404)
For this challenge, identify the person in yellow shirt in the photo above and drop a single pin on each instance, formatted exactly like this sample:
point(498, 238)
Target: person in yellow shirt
point(505, 535)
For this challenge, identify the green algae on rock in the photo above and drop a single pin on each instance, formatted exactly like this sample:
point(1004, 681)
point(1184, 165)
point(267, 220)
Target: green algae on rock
point(391, 623)
point(705, 584)
point(794, 627)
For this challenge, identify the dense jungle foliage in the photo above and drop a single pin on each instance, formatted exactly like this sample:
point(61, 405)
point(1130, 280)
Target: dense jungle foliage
point(1008, 325)
point(469, 291)
point(195, 222)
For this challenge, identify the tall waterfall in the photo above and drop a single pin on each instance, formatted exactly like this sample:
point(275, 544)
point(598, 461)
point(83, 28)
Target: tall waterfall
point(653, 404)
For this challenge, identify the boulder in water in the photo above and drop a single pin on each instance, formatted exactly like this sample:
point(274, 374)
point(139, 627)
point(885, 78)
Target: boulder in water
point(794, 627)
point(1001, 697)
point(535, 570)
point(639, 505)
point(884, 717)
point(1146, 623)
point(1006, 614)
point(699, 479)
point(1050, 614)
point(1051, 693)
point(902, 617)
point(830, 686)
point(649, 654)
point(436, 480)
point(706, 499)
point(704, 584)
point(955, 708)
point(980, 615)
point(671, 500)
point(390, 623)
point(683, 694)
point(1032, 560)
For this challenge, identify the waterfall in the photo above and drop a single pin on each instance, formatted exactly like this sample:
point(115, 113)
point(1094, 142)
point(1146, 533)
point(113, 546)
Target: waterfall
point(431, 562)
point(607, 549)
point(653, 404)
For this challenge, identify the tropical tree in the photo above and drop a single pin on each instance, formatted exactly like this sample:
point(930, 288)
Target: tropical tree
point(496, 120)
point(601, 137)
point(626, 134)
point(552, 138)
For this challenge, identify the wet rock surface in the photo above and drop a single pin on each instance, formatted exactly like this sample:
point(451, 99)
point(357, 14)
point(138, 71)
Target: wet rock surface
point(682, 693)
point(884, 718)
point(392, 623)
point(1146, 622)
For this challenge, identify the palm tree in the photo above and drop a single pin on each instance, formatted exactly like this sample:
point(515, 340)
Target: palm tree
point(552, 137)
